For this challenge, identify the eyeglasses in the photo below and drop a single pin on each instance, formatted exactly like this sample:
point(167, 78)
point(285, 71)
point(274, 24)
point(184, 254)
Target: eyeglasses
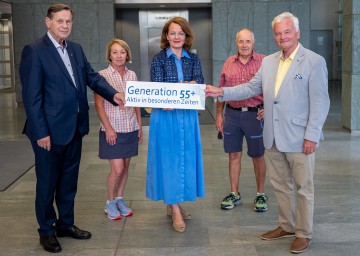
point(179, 34)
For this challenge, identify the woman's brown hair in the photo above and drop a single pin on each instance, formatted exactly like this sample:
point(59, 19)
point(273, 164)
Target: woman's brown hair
point(185, 26)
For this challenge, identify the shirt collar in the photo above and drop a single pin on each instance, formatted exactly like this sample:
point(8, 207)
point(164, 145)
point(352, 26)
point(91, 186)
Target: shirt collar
point(183, 53)
point(57, 45)
point(254, 56)
point(113, 70)
point(292, 55)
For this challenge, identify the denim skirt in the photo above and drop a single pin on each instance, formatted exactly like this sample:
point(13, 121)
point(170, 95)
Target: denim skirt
point(126, 146)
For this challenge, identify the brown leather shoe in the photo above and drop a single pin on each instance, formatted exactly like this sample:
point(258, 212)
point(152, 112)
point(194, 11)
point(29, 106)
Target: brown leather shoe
point(186, 215)
point(179, 226)
point(276, 234)
point(300, 245)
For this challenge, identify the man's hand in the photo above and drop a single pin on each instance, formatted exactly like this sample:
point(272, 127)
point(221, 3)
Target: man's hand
point(119, 98)
point(219, 124)
point(260, 114)
point(309, 147)
point(212, 91)
point(45, 143)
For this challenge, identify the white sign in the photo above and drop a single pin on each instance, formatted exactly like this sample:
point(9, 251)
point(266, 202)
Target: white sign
point(165, 95)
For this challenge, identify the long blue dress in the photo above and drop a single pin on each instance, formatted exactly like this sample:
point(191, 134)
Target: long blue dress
point(175, 170)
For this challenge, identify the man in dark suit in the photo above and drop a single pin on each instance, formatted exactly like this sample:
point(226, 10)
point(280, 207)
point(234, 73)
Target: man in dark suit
point(54, 73)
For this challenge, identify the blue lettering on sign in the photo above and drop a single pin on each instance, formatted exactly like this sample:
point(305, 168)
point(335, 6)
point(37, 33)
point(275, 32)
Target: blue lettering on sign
point(148, 92)
point(185, 94)
point(132, 99)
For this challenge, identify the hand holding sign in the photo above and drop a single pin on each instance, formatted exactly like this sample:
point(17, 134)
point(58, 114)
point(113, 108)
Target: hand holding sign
point(165, 95)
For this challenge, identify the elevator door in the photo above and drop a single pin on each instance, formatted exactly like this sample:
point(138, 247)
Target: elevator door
point(6, 49)
point(151, 23)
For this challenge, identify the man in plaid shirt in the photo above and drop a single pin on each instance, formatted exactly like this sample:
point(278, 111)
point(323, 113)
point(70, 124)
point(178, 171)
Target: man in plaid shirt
point(243, 118)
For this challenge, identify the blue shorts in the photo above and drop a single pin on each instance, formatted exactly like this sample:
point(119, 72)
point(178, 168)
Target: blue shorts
point(239, 124)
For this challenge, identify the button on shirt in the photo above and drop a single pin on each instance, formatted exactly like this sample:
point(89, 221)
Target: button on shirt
point(64, 56)
point(283, 68)
point(178, 63)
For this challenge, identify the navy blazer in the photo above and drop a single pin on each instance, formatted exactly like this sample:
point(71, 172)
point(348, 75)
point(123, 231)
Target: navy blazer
point(54, 106)
point(163, 69)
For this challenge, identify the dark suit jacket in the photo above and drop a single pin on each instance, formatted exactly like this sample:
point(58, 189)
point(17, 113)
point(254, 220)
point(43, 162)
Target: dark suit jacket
point(54, 106)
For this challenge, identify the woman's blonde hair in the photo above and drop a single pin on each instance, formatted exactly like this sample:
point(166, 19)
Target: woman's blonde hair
point(123, 44)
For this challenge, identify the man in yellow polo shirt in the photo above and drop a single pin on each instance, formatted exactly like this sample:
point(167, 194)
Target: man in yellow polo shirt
point(294, 84)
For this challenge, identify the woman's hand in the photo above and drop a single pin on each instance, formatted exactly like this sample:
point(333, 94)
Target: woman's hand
point(188, 82)
point(111, 136)
point(140, 135)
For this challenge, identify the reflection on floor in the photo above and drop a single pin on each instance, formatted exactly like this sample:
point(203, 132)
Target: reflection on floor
point(211, 231)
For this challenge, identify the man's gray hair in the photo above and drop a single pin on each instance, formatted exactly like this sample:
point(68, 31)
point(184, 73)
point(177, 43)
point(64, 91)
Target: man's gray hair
point(284, 16)
point(243, 29)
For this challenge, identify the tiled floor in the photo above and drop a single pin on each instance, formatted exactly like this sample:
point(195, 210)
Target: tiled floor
point(211, 231)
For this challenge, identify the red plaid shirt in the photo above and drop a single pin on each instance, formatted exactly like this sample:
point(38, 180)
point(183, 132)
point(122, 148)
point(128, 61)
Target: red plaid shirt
point(235, 73)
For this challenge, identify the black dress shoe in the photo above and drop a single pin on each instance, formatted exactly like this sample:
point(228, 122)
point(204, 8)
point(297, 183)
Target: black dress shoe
point(74, 232)
point(50, 243)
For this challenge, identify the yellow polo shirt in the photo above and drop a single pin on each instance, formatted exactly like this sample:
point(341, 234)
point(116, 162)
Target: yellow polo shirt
point(284, 66)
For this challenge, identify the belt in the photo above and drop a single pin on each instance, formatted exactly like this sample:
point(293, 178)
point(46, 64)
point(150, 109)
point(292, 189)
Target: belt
point(244, 109)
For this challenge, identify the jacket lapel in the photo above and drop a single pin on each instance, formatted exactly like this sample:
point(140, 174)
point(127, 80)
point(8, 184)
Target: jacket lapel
point(290, 75)
point(273, 73)
point(73, 65)
point(55, 55)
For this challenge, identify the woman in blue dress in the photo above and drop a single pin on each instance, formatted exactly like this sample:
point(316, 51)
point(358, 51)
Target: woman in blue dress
point(175, 166)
